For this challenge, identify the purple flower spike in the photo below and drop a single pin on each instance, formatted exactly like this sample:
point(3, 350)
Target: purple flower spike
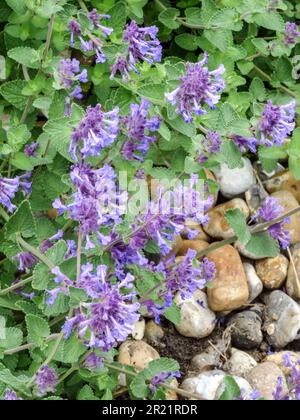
point(110, 317)
point(123, 67)
point(291, 34)
point(143, 44)
point(96, 131)
point(95, 18)
point(277, 123)
point(46, 381)
point(271, 210)
point(137, 125)
point(9, 188)
point(75, 30)
point(198, 86)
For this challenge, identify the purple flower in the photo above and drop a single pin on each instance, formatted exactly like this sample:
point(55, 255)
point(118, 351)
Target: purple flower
point(137, 127)
point(48, 243)
point(277, 123)
point(291, 34)
point(96, 202)
point(75, 30)
point(69, 72)
point(211, 146)
point(72, 249)
point(96, 131)
point(10, 396)
point(46, 381)
point(64, 284)
point(95, 18)
point(30, 149)
point(110, 317)
point(161, 378)
point(189, 275)
point(26, 261)
point(143, 44)
point(123, 67)
point(271, 210)
point(9, 188)
point(93, 361)
point(245, 143)
point(198, 86)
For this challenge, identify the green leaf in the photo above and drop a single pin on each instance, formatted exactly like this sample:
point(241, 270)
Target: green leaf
point(179, 125)
point(86, 394)
point(222, 39)
point(236, 219)
point(139, 385)
point(73, 349)
point(153, 92)
point(258, 90)
point(41, 272)
point(173, 314)
point(37, 329)
point(226, 19)
point(231, 155)
point(21, 222)
point(118, 17)
point(232, 390)
point(187, 42)
point(12, 92)
point(21, 161)
point(26, 56)
point(18, 136)
point(262, 245)
point(16, 383)
point(169, 18)
point(18, 6)
point(13, 338)
point(5, 11)
point(270, 20)
point(294, 154)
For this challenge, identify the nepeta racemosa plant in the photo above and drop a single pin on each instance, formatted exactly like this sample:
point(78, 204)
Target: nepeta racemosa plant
point(110, 126)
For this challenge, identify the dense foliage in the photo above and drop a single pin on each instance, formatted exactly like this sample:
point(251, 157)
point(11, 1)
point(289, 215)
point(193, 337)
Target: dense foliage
point(154, 90)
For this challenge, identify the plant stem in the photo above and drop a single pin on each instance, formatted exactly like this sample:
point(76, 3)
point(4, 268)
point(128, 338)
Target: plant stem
point(15, 286)
point(79, 245)
point(255, 229)
point(26, 109)
point(82, 5)
point(27, 247)
point(49, 37)
point(169, 387)
point(281, 87)
point(67, 374)
point(4, 214)
point(27, 346)
point(179, 19)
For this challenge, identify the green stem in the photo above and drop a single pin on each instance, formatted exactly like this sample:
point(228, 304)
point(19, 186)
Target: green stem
point(179, 19)
point(49, 37)
point(82, 5)
point(166, 386)
point(26, 109)
point(27, 346)
point(4, 214)
point(67, 374)
point(281, 87)
point(78, 265)
point(27, 247)
point(15, 286)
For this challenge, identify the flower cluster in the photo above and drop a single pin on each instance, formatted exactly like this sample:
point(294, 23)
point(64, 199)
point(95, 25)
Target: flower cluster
point(110, 316)
point(9, 188)
point(97, 130)
point(46, 381)
point(143, 45)
point(211, 146)
point(291, 34)
point(90, 43)
point(137, 127)
point(277, 123)
point(269, 211)
point(96, 202)
point(198, 87)
point(69, 74)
